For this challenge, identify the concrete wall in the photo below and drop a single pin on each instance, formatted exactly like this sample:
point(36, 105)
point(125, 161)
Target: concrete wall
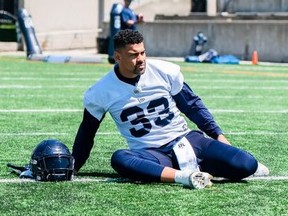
point(70, 24)
point(239, 38)
point(64, 24)
point(253, 5)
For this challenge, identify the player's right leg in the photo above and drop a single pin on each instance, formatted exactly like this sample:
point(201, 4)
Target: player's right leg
point(140, 165)
point(154, 166)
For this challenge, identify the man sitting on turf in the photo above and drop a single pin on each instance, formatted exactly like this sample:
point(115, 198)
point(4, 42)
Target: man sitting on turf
point(145, 98)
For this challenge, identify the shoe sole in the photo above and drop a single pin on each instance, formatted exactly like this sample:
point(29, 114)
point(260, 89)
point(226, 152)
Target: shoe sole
point(200, 180)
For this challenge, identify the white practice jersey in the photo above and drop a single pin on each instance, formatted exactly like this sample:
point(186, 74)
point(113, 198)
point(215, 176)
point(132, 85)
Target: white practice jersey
point(145, 114)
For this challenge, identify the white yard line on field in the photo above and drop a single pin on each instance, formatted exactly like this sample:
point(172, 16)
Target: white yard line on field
point(242, 87)
point(122, 180)
point(189, 79)
point(81, 110)
point(214, 87)
point(259, 133)
point(20, 87)
point(50, 134)
point(44, 79)
point(247, 111)
point(19, 95)
point(244, 97)
point(54, 96)
point(34, 134)
point(43, 87)
point(39, 110)
point(240, 133)
point(268, 178)
point(227, 80)
point(10, 72)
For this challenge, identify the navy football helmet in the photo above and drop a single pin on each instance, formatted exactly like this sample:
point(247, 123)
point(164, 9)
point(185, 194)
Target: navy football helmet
point(51, 160)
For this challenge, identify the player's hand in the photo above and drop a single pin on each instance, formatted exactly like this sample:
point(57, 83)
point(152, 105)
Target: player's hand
point(75, 172)
point(140, 18)
point(223, 139)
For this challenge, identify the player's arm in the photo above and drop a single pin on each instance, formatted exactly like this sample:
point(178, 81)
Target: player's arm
point(125, 18)
point(84, 139)
point(129, 21)
point(192, 106)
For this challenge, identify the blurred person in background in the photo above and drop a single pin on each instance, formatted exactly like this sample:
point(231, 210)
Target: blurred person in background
point(129, 19)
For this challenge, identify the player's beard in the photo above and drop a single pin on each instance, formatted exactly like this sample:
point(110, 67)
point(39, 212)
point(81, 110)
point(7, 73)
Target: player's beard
point(140, 68)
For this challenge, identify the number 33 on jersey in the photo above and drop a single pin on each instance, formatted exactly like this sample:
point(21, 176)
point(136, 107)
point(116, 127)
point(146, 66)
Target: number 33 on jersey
point(147, 108)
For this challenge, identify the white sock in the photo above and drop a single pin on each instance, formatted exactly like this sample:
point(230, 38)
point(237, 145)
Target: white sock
point(182, 177)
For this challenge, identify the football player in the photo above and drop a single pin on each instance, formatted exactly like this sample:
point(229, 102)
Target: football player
point(145, 98)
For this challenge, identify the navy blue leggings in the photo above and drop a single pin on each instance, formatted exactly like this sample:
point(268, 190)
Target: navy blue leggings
point(214, 157)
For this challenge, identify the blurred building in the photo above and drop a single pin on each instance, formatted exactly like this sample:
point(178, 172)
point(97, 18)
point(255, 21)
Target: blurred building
point(70, 24)
point(234, 27)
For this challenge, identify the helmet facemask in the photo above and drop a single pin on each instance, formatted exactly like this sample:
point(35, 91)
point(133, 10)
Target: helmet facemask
point(54, 168)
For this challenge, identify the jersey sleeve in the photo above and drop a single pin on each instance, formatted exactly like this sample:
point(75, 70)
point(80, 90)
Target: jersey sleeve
point(84, 139)
point(177, 81)
point(93, 104)
point(171, 74)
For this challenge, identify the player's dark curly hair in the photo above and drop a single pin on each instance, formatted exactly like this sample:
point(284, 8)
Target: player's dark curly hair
point(125, 37)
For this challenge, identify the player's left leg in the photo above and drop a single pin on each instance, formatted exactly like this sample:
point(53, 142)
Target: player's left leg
point(226, 161)
point(261, 171)
point(222, 160)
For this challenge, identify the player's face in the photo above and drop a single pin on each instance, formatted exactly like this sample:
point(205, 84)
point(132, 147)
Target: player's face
point(131, 60)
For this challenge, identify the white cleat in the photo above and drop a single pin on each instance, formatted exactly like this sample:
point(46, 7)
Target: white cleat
point(200, 180)
point(261, 171)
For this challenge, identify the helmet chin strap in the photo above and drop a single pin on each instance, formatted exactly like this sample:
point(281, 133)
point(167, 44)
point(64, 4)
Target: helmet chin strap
point(58, 176)
point(21, 171)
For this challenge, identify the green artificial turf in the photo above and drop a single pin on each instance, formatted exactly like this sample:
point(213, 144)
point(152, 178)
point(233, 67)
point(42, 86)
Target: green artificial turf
point(41, 100)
